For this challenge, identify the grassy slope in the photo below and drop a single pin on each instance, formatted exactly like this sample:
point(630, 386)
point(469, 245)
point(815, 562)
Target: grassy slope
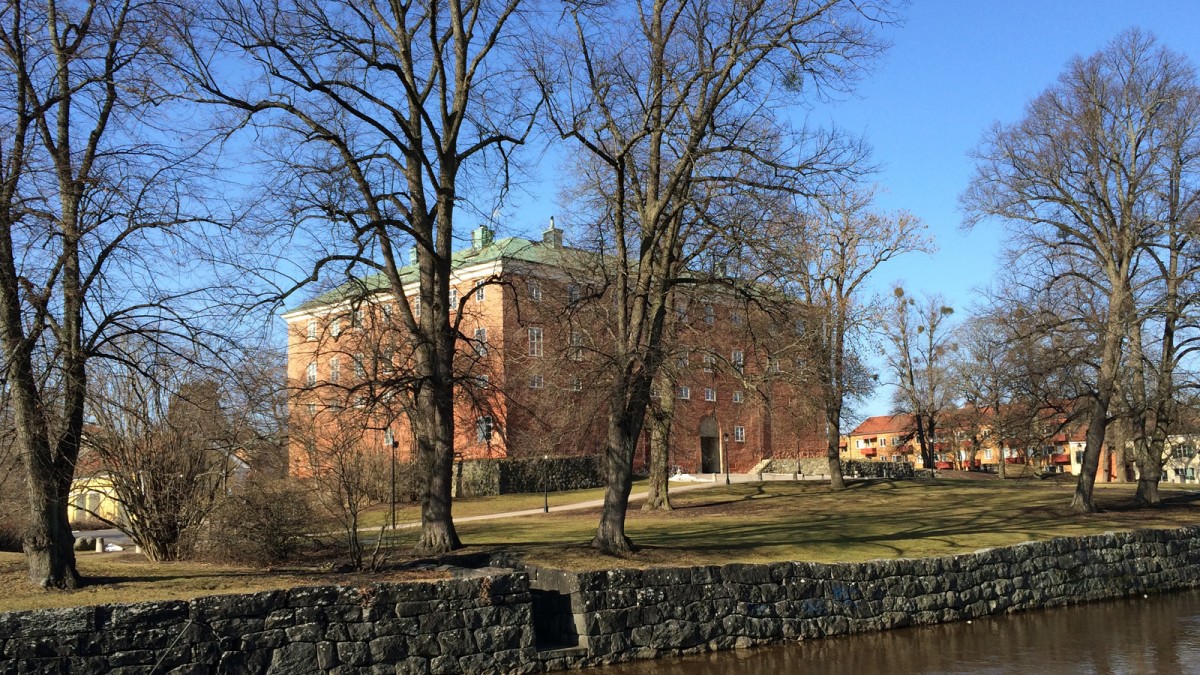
point(742, 523)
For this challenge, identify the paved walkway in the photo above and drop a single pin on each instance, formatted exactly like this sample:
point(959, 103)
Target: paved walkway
point(675, 488)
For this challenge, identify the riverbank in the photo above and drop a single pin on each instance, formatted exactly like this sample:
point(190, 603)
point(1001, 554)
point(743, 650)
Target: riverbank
point(742, 523)
point(496, 620)
point(528, 617)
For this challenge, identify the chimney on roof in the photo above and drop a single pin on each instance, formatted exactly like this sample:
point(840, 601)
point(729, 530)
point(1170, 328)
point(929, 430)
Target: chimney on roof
point(482, 237)
point(553, 236)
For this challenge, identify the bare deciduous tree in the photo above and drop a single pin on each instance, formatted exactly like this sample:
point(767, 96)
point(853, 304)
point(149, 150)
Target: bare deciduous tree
point(1085, 181)
point(823, 261)
point(672, 107)
point(94, 182)
point(387, 118)
point(919, 360)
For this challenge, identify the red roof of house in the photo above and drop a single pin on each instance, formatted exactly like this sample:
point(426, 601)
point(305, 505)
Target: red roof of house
point(884, 424)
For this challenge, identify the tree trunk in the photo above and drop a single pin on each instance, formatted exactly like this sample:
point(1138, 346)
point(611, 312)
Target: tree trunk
point(660, 457)
point(1082, 501)
point(623, 432)
point(833, 448)
point(1150, 471)
point(49, 544)
point(435, 449)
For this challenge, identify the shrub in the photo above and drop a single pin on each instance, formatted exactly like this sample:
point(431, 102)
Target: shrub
point(263, 521)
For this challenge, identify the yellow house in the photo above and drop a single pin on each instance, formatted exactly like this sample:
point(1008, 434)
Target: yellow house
point(92, 498)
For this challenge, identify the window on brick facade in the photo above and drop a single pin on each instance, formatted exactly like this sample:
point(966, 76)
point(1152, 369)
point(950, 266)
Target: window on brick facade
point(483, 428)
point(311, 333)
point(356, 318)
point(738, 359)
point(453, 299)
point(535, 290)
point(312, 409)
point(681, 361)
point(739, 434)
point(684, 393)
point(577, 383)
point(535, 341)
point(481, 342)
point(480, 293)
point(738, 397)
point(310, 374)
point(710, 394)
point(572, 293)
point(736, 318)
point(335, 328)
point(335, 370)
point(710, 362)
point(710, 315)
point(360, 366)
point(576, 352)
point(537, 382)
point(681, 310)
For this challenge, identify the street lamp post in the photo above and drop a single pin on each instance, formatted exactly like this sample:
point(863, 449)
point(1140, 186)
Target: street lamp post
point(545, 485)
point(725, 454)
point(395, 444)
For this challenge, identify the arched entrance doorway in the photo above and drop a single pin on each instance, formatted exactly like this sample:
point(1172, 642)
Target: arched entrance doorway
point(710, 446)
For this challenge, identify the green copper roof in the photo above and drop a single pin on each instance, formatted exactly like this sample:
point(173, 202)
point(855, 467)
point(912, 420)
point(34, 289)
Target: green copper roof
point(512, 248)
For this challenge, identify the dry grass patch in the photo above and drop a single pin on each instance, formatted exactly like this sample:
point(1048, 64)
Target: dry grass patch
point(129, 577)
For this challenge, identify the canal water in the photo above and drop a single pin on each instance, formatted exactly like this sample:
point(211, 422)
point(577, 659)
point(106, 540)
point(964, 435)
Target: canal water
point(1159, 635)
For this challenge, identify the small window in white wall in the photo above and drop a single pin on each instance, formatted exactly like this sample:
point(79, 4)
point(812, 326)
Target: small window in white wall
point(739, 434)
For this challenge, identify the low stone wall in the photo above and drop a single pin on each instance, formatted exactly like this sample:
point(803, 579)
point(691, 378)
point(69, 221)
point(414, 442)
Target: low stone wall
point(482, 477)
point(633, 614)
point(819, 466)
point(548, 619)
point(475, 625)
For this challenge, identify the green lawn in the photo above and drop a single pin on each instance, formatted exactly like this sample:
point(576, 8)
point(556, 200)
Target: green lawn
point(740, 523)
point(477, 506)
point(788, 521)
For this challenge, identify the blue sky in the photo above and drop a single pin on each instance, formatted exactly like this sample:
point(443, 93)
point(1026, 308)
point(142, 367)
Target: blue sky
point(955, 67)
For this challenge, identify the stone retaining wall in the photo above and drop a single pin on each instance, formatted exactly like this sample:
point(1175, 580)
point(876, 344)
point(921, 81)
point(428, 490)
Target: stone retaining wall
point(490, 624)
point(456, 626)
